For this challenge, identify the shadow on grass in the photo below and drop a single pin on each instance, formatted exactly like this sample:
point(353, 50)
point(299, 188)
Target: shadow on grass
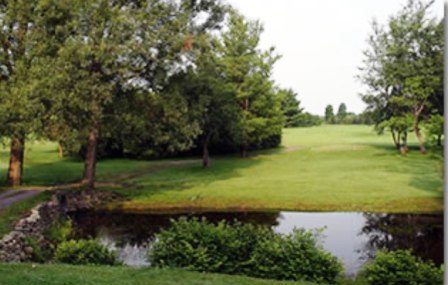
point(420, 166)
point(182, 177)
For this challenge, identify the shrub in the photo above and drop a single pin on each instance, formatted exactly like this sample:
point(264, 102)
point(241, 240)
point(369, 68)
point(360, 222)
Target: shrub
point(60, 231)
point(294, 257)
point(84, 252)
point(242, 249)
point(40, 254)
point(402, 267)
point(201, 246)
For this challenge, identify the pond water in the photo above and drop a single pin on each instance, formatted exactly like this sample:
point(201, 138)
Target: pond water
point(352, 237)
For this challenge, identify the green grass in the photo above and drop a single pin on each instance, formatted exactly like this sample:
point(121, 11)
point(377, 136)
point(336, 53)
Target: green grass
point(42, 166)
point(329, 168)
point(18, 274)
point(337, 168)
point(10, 215)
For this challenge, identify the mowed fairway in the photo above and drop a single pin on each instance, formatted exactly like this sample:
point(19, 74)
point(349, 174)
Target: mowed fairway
point(325, 168)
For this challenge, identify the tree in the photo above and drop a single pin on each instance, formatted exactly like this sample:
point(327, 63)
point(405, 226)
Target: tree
point(399, 127)
point(403, 67)
point(247, 71)
point(124, 50)
point(342, 113)
point(290, 107)
point(28, 33)
point(434, 126)
point(329, 115)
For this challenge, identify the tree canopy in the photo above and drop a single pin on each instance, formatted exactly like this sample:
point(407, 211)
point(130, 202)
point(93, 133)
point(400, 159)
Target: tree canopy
point(403, 69)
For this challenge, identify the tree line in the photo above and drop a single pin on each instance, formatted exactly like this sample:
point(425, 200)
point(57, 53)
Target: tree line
point(344, 117)
point(132, 78)
point(403, 73)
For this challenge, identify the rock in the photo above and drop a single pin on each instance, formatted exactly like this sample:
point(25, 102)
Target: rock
point(28, 250)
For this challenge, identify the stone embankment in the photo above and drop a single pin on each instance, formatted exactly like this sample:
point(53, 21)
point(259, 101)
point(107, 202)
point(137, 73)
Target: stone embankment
point(15, 247)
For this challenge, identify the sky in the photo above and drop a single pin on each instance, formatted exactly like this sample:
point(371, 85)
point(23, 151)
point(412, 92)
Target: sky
point(321, 43)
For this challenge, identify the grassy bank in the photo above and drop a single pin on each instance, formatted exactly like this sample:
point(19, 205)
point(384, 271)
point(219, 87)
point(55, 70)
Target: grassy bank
point(326, 168)
point(11, 214)
point(17, 274)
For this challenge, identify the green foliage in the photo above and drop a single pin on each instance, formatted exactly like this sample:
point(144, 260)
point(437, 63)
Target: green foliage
point(39, 254)
point(401, 267)
point(247, 74)
point(329, 115)
point(403, 66)
point(243, 249)
point(295, 256)
point(60, 231)
point(201, 246)
point(290, 107)
point(434, 126)
point(307, 120)
point(84, 252)
point(342, 112)
point(292, 112)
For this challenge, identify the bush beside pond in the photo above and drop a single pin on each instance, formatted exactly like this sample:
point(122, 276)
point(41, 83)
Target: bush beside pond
point(402, 267)
point(84, 252)
point(243, 249)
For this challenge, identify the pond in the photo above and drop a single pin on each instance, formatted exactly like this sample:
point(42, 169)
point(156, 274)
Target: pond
point(352, 237)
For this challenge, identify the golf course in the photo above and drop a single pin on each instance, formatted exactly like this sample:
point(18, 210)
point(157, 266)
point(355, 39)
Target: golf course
point(324, 168)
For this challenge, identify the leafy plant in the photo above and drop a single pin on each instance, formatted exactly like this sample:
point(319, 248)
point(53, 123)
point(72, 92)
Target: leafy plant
point(40, 254)
point(402, 267)
point(60, 231)
point(84, 252)
point(294, 257)
point(243, 249)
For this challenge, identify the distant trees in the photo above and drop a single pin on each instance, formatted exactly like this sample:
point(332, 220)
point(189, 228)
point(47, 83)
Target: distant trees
point(329, 115)
point(342, 113)
point(343, 117)
point(403, 69)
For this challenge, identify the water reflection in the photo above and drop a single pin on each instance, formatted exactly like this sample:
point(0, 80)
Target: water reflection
point(422, 233)
point(352, 237)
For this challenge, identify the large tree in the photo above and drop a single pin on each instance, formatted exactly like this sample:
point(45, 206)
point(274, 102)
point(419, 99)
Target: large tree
point(123, 51)
point(403, 67)
point(247, 71)
point(29, 34)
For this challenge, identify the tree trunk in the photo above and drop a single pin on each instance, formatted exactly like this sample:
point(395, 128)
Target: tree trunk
point(396, 142)
point(243, 151)
point(90, 160)
point(439, 140)
point(16, 158)
point(420, 140)
point(404, 144)
point(243, 146)
point(417, 129)
point(60, 151)
point(205, 154)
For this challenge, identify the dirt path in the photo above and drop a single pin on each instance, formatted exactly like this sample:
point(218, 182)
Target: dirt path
point(10, 197)
point(292, 148)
